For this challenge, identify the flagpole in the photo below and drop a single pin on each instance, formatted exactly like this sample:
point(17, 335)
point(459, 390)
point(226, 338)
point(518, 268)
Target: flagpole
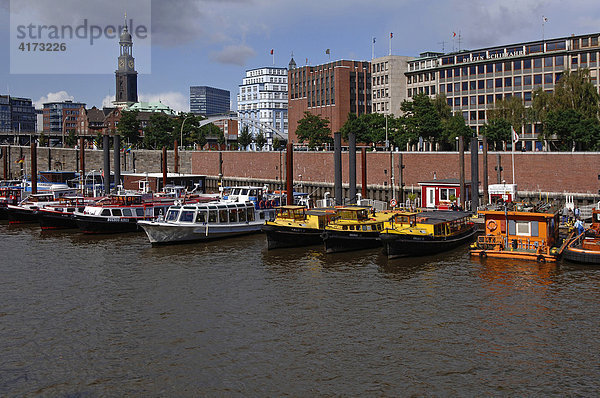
point(513, 133)
point(391, 35)
point(373, 49)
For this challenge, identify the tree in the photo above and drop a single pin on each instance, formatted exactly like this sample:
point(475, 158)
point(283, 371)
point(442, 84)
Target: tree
point(511, 110)
point(159, 132)
point(574, 90)
point(278, 144)
point(129, 126)
point(454, 127)
point(43, 139)
point(244, 138)
point(421, 119)
point(71, 138)
point(260, 141)
point(368, 128)
point(497, 131)
point(314, 129)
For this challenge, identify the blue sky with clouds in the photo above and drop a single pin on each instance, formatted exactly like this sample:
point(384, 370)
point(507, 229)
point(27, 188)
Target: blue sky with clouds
point(213, 42)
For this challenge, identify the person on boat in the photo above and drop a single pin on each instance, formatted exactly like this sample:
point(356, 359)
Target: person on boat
point(565, 214)
point(579, 226)
point(577, 213)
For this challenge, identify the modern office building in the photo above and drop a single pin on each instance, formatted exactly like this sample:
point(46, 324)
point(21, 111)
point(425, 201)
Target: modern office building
point(263, 102)
point(17, 114)
point(331, 90)
point(60, 115)
point(474, 80)
point(209, 101)
point(389, 83)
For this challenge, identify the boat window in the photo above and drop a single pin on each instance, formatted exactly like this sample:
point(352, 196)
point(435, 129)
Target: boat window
point(105, 212)
point(70, 209)
point(223, 216)
point(212, 216)
point(242, 215)
point(117, 212)
point(344, 227)
point(127, 212)
point(139, 212)
point(253, 192)
point(244, 192)
point(172, 215)
point(261, 215)
point(201, 216)
point(250, 213)
point(187, 216)
point(523, 228)
point(233, 215)
point(366, 227)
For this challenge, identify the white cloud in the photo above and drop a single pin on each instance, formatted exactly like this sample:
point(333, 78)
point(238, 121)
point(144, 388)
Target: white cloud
point(107, 102)
point(234, 55)
point(173, 99)
point(53, 97)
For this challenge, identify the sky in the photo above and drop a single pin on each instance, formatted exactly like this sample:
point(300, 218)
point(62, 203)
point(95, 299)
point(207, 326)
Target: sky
point(213, 42)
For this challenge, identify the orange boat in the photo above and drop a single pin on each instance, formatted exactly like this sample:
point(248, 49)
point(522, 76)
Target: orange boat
point(524, 235)
point(585, 247)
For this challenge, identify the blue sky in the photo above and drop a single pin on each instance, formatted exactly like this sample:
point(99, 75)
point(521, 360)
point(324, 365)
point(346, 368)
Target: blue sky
point(213, 42)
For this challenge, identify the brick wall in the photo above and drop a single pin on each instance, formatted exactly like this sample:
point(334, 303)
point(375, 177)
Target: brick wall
point(545, 171)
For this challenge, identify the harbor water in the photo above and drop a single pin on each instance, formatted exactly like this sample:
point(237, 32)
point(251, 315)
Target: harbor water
point(87, 316)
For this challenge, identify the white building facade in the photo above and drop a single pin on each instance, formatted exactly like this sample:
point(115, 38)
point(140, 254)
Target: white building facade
point(263, 101)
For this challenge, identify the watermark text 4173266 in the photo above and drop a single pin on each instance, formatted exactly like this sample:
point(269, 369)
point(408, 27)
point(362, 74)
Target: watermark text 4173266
point(75, 37)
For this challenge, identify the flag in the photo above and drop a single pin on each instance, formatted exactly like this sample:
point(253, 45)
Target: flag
point(373, 40)
point(545, 19)
point(20, 160)
point(391, 35)
point(327, 52)
point(515, 136)
point(453, 34)
point(127, 149)
point(271, 51)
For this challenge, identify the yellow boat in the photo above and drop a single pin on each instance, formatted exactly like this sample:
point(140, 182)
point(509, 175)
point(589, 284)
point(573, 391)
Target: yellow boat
point(296, 226)
point(354, 228)
point(425, 233)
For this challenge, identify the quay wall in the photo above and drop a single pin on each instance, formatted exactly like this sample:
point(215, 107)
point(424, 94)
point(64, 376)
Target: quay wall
point(555, 172)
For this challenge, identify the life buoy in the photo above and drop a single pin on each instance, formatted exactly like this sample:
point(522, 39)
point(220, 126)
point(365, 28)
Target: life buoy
point(273, 204)
point(491, 225)
point(261, 204)
point(393, 203)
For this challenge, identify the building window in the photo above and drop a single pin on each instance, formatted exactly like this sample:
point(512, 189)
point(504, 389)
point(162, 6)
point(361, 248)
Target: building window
point(583, 58)
point(473, 100)
point(472, 70)
point(594, 41)
point(449, 101)
point(473, 85)
point(481, 115)
point(465, 86)
point(526, 64)
point(507, 66)
point(449, 73)
point(548, 78)
point(456, 87)
point(527, 96)
point(480, 84)
point(442, 88)
point(507, 81)
point(498, 66)
point(432, 90)
point(489, 68)
point(499, 83)
point(489, 98)
point(480, 69)
point(481, 100)
point(574, 60)
point(527, 80)
point(517, 81)
point(449, 87)
point(456, 101)
point(498, 97)
point(443, 74)
point(537, 62)
point(473, 115)
point(548, 62)
point(592, 57)
point(489, 83)
point(465, 101)
point(517, 65)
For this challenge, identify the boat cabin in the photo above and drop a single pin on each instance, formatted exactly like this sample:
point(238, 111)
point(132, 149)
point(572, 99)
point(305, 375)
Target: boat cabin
point(438, 223)
point(520, 230)
point(230, 213)
point(439, 193)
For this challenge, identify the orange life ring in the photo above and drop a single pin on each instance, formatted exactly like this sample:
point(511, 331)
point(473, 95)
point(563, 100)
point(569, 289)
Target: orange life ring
point(273, 203)
point(491, 225)
point(261, 204)
point(393, 203)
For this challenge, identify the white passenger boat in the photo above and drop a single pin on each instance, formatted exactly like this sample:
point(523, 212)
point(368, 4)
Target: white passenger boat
point(241, 213)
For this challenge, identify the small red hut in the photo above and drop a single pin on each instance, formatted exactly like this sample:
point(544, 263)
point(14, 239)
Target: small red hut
point(437, 193)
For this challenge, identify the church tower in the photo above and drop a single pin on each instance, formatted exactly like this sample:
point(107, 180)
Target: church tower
point(126, 76)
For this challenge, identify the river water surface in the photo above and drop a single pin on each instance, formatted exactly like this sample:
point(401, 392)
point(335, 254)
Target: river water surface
point(112, 316)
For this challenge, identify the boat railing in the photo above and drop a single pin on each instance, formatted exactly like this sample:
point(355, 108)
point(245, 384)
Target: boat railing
point(491, 242)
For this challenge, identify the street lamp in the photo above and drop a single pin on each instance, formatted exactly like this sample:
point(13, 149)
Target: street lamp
point(181, 131)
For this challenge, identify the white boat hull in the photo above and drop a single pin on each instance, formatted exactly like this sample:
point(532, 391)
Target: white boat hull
point(165, 233)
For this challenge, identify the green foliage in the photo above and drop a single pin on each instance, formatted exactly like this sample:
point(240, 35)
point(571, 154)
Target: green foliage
point(159, 132)
point(314, 129)
point(260, 141)
point(497, 131)
point(244, 138)
point(368, 128)
point(575, 91)
point(129, 126)
point(573, 130)
point(43, 140)
point(421, 119)
point(71, 138)
point(511, 110)
point(454, 127)
point(278, 144)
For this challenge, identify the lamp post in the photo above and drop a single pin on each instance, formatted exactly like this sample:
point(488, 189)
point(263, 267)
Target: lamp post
point(181, 131)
